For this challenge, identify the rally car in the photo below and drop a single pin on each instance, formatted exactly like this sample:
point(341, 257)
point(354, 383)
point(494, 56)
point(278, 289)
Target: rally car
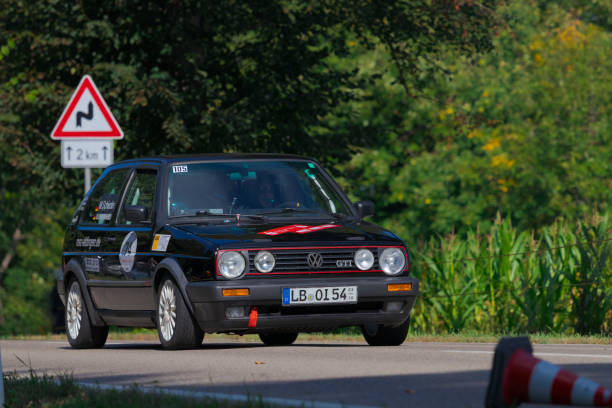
point(265, 244)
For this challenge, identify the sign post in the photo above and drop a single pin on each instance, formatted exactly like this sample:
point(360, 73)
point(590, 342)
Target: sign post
point(87, 179)
point(87, 129)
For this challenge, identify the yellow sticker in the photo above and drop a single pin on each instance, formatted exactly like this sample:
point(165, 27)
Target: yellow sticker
point(160, 242)
point(155, 242)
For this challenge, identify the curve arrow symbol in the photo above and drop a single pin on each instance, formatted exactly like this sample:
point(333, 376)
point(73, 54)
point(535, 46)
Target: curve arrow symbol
point(83, 115)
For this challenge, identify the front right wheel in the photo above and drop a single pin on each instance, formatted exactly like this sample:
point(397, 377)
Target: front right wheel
point(278, 339)
point(175, 326)
point(380, 335)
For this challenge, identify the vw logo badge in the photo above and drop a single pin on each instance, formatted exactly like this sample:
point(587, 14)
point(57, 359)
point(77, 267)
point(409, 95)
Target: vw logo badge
point(315, 260)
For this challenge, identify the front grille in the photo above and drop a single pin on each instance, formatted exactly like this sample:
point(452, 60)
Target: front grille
point(296, 260)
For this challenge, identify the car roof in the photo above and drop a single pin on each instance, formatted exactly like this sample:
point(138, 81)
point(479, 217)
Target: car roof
point(211, 157)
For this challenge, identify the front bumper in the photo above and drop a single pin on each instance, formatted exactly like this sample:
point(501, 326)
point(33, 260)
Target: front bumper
point(375, 304)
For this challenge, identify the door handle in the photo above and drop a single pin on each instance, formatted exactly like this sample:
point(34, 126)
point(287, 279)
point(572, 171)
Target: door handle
point(111, 239)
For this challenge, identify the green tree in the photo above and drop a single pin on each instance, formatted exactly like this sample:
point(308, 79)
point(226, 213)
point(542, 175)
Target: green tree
point(523, 129)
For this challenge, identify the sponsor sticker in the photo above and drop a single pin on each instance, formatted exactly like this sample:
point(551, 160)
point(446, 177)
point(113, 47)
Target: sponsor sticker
point(105, 208)
point(160, 242)
point(103, 217)
point(91, 264)
point(87, 242)
point(106, 205)
point(127, 253)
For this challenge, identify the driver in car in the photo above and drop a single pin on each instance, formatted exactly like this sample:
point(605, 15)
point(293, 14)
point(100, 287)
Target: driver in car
point(266, 192)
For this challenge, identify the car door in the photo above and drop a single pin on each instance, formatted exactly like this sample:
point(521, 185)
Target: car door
point(134, 262)
point(94, 236)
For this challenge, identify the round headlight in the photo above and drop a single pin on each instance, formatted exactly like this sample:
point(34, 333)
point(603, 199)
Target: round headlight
point(364, 259)
point(231, 264)
point(264, 261)
point(392, 261)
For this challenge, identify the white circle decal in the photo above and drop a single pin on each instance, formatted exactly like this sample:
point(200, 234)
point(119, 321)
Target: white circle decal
point(127, 253)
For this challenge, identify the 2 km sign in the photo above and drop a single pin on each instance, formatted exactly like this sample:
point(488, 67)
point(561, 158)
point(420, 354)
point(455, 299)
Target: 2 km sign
point(87, 153)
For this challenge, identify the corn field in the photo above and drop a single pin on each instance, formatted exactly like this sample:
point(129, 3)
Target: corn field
point(558, 280)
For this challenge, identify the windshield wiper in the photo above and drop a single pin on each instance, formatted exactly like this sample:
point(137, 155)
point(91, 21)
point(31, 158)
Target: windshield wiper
point(258, 217)
point(288, 211)
point(210, 214)
point(340, 216)
point(207, 213)
point(198, 217)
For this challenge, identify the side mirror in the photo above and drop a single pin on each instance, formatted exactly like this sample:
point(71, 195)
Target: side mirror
point(364, 208)
point(136, 213)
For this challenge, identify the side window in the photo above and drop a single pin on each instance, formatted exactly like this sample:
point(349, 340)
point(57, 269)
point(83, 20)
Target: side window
point(103, 200)
point(141, 192)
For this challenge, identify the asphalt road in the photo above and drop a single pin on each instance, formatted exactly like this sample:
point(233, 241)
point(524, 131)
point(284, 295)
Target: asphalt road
point(349, 373)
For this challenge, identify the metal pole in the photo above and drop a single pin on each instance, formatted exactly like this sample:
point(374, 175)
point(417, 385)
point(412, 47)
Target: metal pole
point(1, 383)
point(87, 179)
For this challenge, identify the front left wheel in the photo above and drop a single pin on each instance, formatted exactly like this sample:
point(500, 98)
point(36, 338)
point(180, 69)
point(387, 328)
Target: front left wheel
point(80, 331)
point(379, 335)
point(175, 326)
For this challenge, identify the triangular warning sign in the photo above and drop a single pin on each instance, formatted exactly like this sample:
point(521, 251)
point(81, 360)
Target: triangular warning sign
point(87, 116)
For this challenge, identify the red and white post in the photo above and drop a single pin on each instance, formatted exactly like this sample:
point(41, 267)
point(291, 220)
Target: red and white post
point(528, 379)
point(518, 377)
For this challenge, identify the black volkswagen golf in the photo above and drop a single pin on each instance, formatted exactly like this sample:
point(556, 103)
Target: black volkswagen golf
point(264, 244)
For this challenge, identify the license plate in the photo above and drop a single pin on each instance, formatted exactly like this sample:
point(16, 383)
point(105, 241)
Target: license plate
point(310, 296)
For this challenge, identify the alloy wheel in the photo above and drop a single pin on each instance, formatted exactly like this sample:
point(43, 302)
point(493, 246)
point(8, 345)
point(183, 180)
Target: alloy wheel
point(167, 311)
point(74, 311)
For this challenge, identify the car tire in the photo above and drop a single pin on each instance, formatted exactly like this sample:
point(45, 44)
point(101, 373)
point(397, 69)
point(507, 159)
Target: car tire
point(81, 333)
point(380, 335)
point(278, 339)
point(176, 327)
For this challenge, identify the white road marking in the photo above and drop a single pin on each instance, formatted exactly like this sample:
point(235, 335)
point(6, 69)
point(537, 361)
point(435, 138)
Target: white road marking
point(536, 354)
point(574, 355)
point(118, 342)
point(226, 397)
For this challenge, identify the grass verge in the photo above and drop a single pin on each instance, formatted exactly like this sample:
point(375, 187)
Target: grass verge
point(350, 335)
point(47, 392)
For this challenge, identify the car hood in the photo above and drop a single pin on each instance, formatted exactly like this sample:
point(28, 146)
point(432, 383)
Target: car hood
point(291, 233)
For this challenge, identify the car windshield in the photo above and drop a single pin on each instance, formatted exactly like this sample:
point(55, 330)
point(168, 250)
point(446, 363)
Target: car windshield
point(271, 188)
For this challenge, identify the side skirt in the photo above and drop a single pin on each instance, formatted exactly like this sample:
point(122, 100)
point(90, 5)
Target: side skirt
point(128, 318)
